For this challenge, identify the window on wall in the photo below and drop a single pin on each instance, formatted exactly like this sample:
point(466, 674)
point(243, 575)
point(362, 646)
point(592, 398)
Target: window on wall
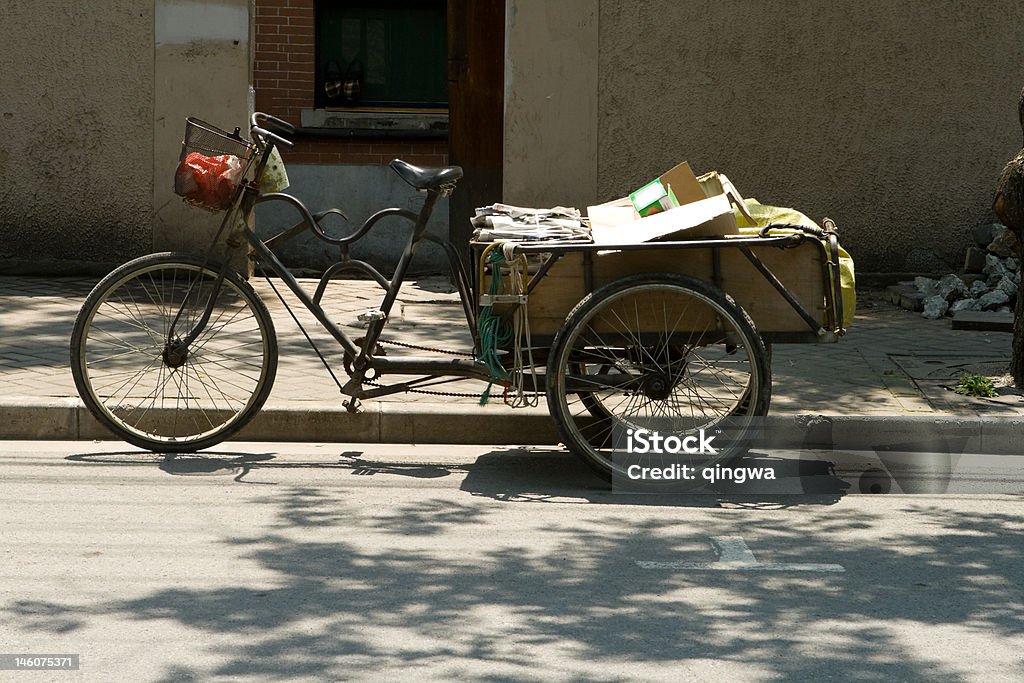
point(386, 54)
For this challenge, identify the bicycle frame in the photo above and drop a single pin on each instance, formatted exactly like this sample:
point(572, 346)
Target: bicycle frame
point(364, 364)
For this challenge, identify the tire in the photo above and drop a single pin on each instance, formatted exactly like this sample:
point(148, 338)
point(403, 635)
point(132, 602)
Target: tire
point(657, 351)
point(153, 395)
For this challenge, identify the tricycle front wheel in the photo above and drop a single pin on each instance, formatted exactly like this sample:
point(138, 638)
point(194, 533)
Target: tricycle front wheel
point(137, 376)
point(657, 352)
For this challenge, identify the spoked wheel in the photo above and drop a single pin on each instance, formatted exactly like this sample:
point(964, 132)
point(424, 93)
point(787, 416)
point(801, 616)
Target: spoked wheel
point(598, 410)
point(661, 353)
point(138, 375)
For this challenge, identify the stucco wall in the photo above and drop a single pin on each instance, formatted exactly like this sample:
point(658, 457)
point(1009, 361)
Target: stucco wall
point(202, 67)
point(93, 100)
point(76, 116)
point(893, 118)
point(551, 81)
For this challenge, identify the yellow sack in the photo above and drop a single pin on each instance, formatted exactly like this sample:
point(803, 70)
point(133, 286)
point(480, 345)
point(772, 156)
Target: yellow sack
point(758, 216)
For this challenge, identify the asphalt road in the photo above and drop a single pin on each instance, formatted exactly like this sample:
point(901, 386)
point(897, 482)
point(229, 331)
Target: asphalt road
point(333, 562)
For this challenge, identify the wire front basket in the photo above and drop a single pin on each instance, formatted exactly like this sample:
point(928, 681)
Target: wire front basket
point(214, 144)
point(212, 141)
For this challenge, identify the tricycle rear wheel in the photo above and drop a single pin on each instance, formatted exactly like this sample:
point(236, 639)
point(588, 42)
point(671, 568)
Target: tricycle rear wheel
point(658, 352)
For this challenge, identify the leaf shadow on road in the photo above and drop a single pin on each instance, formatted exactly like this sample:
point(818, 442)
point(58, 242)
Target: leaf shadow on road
point(505, 611)
point(494, 588)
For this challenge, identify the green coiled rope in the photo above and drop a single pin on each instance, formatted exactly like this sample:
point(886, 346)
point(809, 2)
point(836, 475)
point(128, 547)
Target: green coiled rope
point(495, 331)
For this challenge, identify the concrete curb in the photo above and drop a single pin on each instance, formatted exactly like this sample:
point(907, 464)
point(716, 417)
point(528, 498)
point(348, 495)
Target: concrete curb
point(392, 422)
point(954, 433)
point(379, 422)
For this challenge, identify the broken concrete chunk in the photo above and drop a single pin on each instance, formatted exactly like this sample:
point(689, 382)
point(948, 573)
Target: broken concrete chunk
point(926, 285)
point(994, 268)
point(978, 287)
point(1004, 242)
point(993, 299)
point(935, 307)
point(965, 305)
point(951, 287)
point(1007, 285)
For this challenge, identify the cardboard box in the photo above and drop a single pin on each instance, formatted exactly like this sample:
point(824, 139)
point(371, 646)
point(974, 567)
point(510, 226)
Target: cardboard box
point(654, 197)
point(704, 211)
point(714, 183)
point(684, 183)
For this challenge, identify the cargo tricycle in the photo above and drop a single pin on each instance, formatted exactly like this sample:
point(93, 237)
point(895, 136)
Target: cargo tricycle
point(176, 352)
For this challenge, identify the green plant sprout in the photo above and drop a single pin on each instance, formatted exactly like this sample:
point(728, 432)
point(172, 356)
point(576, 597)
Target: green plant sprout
point(974, 384)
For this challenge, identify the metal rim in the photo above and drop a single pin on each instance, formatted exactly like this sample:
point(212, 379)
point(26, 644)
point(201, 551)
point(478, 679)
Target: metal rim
point(147, 386)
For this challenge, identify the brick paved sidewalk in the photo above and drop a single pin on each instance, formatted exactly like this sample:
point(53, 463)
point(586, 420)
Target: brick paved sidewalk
point(892, 363)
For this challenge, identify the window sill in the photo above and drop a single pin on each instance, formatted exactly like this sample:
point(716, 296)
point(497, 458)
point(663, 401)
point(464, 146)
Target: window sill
point(353, 123)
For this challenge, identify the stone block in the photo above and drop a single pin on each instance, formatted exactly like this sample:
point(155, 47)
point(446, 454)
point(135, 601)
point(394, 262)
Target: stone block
point(989, 321)
point(974, 260)
point(904, 296)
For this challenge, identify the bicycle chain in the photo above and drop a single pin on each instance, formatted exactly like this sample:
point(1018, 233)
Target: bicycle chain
point(428, 392)
point(424, 348)
point(448, 394)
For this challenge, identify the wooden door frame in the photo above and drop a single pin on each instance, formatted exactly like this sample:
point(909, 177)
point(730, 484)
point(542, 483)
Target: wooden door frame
point(476, 104)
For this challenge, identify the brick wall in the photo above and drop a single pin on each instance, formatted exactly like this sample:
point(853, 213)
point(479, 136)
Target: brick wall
point(284, 83)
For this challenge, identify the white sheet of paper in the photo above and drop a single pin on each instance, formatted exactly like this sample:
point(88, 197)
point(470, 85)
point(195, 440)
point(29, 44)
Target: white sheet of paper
point(614, 223)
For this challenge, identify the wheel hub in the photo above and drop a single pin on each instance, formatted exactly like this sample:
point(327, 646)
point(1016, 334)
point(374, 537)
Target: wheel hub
point(175, 353)
point(657, 386)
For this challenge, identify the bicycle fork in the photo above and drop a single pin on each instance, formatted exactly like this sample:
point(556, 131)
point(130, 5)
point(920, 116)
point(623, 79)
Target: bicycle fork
point(176, 349)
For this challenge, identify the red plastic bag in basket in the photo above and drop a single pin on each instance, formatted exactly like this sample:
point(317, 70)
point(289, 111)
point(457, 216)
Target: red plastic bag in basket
point(210, 181)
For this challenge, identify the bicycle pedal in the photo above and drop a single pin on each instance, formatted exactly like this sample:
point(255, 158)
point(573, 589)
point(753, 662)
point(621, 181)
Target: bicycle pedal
point(371, 316)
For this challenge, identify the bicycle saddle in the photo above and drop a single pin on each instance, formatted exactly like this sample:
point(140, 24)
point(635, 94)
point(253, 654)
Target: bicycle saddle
point(426, 178)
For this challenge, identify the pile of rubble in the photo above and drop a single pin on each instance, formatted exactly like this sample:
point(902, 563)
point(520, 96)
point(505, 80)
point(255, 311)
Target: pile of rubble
point(990, 281)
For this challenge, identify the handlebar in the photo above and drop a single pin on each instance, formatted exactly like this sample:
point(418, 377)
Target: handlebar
point(263, 132)
point(271, 127)
point(259, 119)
